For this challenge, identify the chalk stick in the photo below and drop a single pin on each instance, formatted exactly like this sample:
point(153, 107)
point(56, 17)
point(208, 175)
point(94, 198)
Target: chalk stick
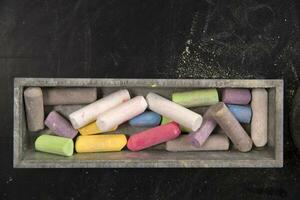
point(60, 126)
point(62, 96)
point(242, 113)
point(215, 142)
point(66, 110)
point(55, 145)
point(166, 120)
point(231, 127)
point(198, 137)
point(174, 111)
point(146, 119)
point(92, 129)
point(236, 96)
point(121, 113)
point(200, 110)
point(202, 97)
point(153, 136)
point(89, 113)
point(33, 97)
point(100, 143)
point(259, 124)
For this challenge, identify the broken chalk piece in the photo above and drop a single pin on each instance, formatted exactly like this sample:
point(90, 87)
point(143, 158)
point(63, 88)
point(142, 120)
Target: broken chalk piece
point(92, 129)
point(90, 112)
point(100, 143)
point(215, 142)
point(242, 113)
point(259, 124)
point(153, 136)
point(66, 110)
point(54, 144)
point(60, 125)
point(201, 97)
point(174, 111)
point(231, 127)
point(33, 97)
point(62, 96)
point(236, 96)
point(146, 119)
point(121, 113)
point(198, 138)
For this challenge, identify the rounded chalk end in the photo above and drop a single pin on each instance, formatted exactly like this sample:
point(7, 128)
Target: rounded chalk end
point(142, 101)
point(131, 145)
point(77, 144)
point(149, 97)
point(197, 123)
point(68, 148)
point(74, 122)
point(33, 92)
point(126, 93)
point(177, 130)
point(37, 143)
point(259, 142)
point(246, 146)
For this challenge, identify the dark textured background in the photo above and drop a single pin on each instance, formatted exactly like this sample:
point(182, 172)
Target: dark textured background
point(148, 39)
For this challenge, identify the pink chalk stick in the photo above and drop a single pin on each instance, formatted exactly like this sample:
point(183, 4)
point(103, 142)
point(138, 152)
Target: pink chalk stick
point(198, 138)
point(236, 96)
point(153, 136)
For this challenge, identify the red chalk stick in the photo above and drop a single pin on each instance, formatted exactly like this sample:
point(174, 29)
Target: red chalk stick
point(153, 136)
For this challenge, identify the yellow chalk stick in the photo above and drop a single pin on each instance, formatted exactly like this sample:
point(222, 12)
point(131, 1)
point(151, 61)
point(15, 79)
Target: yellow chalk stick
point(92, 129)
point(100, 143)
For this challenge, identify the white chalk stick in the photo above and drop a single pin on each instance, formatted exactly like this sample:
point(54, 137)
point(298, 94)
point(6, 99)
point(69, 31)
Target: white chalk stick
point(259, 123)
point(90, 112)
point(122, 113)
point(174, 111)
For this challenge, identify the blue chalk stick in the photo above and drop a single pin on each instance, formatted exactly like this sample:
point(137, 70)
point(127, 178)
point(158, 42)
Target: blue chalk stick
point(242, 113)
point(146, 119)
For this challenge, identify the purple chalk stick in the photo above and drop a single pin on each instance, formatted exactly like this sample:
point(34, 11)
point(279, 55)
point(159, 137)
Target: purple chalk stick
point(60, 125)
point(198, 138)
point(236, 96)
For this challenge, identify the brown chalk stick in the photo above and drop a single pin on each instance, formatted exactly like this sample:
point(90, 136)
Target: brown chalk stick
point(66, 96)
point(33, 97)
point(231, 127)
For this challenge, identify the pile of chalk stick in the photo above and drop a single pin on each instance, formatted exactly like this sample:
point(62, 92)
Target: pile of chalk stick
point(82, 123)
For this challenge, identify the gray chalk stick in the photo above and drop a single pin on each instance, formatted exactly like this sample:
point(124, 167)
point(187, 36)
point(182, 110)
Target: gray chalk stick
point(215, 142)
point(231, 127)
point(33, 97)
point(66, 96)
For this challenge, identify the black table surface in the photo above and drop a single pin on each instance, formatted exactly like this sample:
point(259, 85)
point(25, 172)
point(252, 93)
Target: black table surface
point(148, 39)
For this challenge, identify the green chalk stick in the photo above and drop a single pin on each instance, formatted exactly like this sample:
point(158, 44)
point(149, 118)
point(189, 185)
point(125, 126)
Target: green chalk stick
point(201, 97)
point(55, 144)
point(166, 120)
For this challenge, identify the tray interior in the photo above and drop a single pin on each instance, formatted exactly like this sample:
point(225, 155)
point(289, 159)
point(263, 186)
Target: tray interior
point(157, 153)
